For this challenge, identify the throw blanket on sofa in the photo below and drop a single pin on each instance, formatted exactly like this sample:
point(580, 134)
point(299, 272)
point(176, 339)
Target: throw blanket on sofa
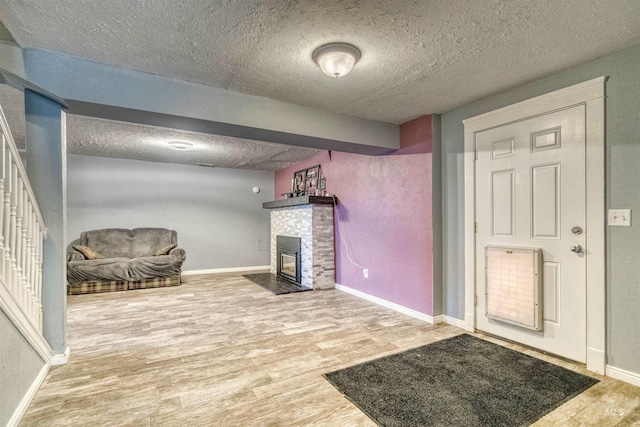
point(127, 269)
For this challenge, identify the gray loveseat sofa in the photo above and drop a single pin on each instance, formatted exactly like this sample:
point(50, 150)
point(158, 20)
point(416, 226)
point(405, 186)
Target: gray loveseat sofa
point(116, 259)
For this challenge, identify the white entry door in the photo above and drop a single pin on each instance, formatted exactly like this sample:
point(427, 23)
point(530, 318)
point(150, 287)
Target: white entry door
point(530, 193)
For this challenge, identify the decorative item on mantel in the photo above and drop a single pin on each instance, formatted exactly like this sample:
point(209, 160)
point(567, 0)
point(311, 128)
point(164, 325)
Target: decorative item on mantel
point(307, 182)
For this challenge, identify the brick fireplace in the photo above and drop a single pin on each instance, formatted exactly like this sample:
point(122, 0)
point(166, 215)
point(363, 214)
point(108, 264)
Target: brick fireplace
point(309, 218)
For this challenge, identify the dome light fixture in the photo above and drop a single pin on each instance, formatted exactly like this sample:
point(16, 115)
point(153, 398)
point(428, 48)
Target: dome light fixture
point(336, 59)
point(180, 145)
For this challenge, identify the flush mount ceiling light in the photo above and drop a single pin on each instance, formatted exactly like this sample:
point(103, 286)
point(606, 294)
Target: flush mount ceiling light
point(336, 59)
point(180, 145)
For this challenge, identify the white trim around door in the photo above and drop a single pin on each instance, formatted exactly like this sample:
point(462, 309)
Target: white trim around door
point(591, 94)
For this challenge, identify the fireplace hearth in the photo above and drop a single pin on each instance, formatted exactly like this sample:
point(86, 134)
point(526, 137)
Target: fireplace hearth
point(288, 258)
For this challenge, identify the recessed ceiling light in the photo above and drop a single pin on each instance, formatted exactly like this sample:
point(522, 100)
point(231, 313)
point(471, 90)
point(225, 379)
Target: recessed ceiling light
point(336, 59)
point(180, 145)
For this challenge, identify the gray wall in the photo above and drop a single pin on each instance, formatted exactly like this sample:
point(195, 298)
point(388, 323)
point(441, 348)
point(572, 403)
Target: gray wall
point(219, 220)
point(622, 187)
point(19, 367)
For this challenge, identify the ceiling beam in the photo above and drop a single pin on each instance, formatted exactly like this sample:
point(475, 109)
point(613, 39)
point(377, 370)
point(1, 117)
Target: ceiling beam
point(99, 90)
point(219, 128)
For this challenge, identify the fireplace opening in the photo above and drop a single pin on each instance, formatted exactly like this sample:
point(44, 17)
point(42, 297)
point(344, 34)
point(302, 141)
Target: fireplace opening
point(288, 265)
point(288, 258)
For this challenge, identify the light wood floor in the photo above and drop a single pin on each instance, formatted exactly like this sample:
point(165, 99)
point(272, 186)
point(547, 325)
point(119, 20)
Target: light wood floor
point(220, 351)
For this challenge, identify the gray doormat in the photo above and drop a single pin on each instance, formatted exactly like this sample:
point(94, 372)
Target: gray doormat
point(460, 381)
point(275, 284)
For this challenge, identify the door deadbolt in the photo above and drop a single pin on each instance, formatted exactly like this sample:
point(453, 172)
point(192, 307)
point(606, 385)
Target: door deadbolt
point(576, 230)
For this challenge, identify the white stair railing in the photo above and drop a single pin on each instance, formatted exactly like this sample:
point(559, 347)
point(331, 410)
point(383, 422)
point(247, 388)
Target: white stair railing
point(22, 232)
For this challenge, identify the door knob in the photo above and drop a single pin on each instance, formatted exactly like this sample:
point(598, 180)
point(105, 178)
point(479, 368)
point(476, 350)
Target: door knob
point(576, 248)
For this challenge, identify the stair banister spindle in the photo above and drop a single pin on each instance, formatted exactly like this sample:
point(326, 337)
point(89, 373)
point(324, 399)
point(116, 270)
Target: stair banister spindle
point(23, 246)
point(3, 180)
point(34, 248)
point(6, 225)
point(39, 284)
point(26, 254)
point(3, 174)
point(19, 215)
point(13, 228)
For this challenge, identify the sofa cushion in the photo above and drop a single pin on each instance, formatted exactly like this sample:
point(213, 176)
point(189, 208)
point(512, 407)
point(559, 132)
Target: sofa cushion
point(166, 249)
point(75, 256)
point(111, 242)
point(98, 269)
point(148, 241)
point(87, 252)
point(149, 267)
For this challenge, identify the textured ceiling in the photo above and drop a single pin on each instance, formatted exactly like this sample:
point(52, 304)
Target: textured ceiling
point(418, 57)
point(108, 138)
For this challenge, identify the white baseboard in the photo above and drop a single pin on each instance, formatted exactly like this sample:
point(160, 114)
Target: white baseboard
point(388, 304)
point(622, 375)
point(60, 359)
point(455, 322)
point(28, 397)
point(225, 270)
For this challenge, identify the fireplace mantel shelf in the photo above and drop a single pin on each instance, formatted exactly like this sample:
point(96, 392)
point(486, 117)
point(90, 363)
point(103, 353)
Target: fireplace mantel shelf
point(298, 201)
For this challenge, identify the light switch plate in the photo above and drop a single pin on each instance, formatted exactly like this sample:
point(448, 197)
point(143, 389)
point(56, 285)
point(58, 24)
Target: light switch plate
point(620, 217)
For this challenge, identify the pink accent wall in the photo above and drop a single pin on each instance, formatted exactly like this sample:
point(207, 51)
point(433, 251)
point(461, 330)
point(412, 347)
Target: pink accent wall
point(384, 203)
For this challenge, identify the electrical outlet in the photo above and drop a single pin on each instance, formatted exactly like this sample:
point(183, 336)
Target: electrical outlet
point(365, 273)
point(620, 217)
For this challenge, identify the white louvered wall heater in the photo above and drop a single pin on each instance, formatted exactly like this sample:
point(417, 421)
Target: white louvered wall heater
point(513, 292)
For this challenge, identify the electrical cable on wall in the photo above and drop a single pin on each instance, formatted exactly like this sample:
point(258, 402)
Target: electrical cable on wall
point(365, 271)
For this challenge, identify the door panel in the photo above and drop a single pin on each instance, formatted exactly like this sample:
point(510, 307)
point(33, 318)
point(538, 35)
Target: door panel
point(502, 208)
point(551, 291)
point(545, 201)
point(530, 192)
